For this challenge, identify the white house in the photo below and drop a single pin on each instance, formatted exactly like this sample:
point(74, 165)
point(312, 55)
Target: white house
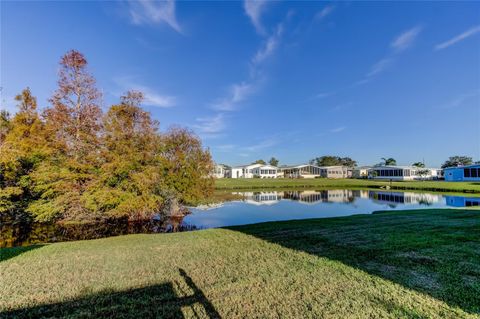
point(301, 171)
point(404, 173)
point(463, 173)
point(254, 170)
point(361, 172)
point(221, 171)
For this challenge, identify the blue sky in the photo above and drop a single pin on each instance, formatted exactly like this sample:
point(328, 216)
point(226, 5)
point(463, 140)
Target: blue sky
point(294, 80)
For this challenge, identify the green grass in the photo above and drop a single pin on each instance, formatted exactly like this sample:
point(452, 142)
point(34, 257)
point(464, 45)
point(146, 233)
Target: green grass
point(256, 183)
point(404, 264)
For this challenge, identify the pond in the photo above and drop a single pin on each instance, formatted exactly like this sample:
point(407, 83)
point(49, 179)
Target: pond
point(248, 208)
point(256, 207)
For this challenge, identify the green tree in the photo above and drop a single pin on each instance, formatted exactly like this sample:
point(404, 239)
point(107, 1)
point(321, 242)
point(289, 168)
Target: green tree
point(389, 161)
point(423, 173)
point(457, 161)
point(273, 161)
point(330, 160)
point(347, 161)
point(260, 161)
point(418, 164)
point(186, 166)
point(23, 149)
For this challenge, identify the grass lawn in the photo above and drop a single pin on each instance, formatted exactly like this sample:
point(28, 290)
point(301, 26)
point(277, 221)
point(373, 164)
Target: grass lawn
point(410, 264)
point(256, 183)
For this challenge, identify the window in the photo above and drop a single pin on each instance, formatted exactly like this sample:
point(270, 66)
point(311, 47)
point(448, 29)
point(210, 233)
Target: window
point(466, 172)
point(474, 172)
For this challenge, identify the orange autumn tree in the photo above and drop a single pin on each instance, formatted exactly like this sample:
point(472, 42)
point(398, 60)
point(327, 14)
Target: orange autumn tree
point(83, 164)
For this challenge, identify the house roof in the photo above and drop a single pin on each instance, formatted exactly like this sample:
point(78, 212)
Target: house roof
point(401, 167)
point(462, 167)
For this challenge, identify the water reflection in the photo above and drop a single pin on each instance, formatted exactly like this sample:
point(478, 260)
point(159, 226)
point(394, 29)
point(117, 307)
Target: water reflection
point(21, 231)
point(460, 201)
point(255, 207)
point(338, 196)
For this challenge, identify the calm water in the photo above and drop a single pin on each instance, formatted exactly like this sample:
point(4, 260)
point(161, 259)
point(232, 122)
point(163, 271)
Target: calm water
point(253, 207)
point(256, 207)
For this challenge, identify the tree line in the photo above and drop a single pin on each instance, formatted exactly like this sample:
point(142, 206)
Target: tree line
point(73, 161)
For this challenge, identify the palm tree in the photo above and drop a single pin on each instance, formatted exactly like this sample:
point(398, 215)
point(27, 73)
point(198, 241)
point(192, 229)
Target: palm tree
point(389, 161)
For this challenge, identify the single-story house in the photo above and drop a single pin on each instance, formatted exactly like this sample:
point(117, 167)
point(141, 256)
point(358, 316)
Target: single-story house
point(462, 173)
point(301, 171)
point(221, 171)
point(254, 170)
point(404, 173)
point(360, 172)
point(335, 171)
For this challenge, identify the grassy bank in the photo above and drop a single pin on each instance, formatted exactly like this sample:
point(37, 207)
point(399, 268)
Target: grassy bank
point(255, 183)
point(411, 264)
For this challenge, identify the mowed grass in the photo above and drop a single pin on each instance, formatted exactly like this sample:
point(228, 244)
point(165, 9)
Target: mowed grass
point(404, 264)
point(257, 183)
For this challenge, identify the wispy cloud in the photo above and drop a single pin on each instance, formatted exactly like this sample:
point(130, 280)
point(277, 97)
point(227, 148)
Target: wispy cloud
point(461, 99)
point(327, 10)
point(399, 44)
point(152, 97)
point(323, 95)
point(338, 129)
point(458, 38)
point(237, 93)
point(405, 39)
point(266, 143)
point(269, 46)
point(153, 12)
point(254, 10)
point(380, 66)
point(211, 125)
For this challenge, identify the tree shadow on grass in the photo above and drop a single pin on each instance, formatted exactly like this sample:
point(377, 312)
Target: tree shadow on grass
point(7, 253)
point(436, 252)
point(157, 301)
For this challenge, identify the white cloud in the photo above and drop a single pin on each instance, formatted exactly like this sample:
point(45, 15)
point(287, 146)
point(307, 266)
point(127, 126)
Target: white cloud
point(324, 12)
point(153, 12)
point(237, 93)
point(211, 125)
point(269, 46)
point(398, 45)
point(405, 39)
point(458, 38)
point(338, 129)
point(261, 145)
point(254, 10)
point(380, 66)
point(152, 98)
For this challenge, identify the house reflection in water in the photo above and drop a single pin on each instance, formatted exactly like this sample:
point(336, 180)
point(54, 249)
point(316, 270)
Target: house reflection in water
point(460, 201)
point(349, 196)
point(404, 198)
point(325, 196)
point(305, 197)
point(261, 198)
